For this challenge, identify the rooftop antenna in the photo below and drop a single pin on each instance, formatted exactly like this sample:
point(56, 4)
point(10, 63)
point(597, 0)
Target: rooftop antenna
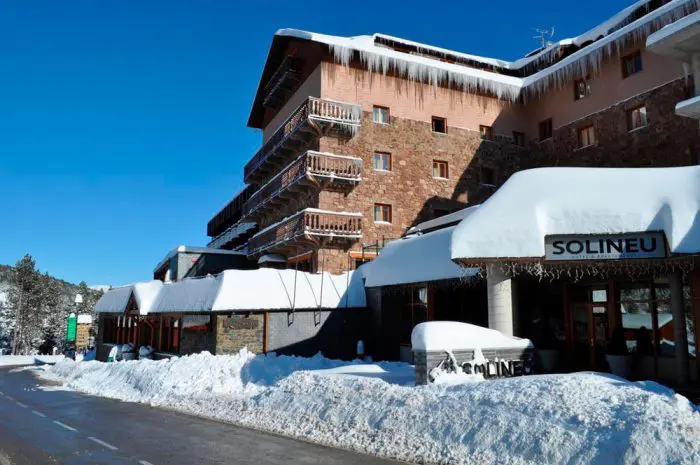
point(542, 36)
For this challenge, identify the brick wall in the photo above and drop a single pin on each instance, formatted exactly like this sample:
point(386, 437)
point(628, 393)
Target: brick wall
point(238, 331)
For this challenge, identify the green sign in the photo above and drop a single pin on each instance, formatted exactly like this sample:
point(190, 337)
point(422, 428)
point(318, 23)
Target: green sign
point(72, 328)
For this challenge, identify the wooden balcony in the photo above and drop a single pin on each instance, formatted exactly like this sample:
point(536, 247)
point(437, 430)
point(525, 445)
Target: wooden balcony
point(312, 119)
point(282, 84)
point(310, 171)
point(305, 229)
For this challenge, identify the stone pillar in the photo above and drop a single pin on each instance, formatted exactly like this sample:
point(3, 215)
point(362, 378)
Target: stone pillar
point(679, 328)
point(501, 301)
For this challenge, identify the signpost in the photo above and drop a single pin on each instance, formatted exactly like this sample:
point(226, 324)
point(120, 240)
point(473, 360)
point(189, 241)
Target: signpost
point(631, 246)
point(72, 328)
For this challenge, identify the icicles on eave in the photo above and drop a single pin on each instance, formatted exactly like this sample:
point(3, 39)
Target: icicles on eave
point(591, 62)
point(419, 72)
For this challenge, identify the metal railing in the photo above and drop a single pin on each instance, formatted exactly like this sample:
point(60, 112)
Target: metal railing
point(345, 115)
point(307, 222)
point(311, 163)
point(287, 70)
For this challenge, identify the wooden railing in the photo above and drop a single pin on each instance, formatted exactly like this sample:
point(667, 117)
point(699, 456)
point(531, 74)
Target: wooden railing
point(307, 222)
point(325, 165)
point(345, 115)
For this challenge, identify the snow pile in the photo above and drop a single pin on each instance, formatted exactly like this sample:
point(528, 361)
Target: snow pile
point(18, 360)
point(452, 335)
point(535, 203)
point(84, 319)
point(559, 419)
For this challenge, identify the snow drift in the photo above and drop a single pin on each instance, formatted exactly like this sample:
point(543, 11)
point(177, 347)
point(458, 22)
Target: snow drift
point(582, 418)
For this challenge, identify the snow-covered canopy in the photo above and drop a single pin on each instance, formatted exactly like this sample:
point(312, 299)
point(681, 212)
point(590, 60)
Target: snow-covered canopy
point(678, 40)
point(262, 289)
point(116, 300)
point(452, 335)
point(416, 258)
point(608, 39)
point(535, 203)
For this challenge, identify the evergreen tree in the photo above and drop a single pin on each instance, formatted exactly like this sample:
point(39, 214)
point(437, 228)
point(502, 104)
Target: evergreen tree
point(24, 298)
point(55, 312)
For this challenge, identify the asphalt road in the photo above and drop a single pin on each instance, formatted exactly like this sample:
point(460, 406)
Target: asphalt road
point(47, 427)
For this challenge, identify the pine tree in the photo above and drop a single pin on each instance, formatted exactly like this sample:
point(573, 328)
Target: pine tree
point(55, 311)
point(24, 298)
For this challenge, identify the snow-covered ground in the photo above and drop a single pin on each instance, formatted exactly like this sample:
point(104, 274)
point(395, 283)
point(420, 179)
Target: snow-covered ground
point(583, 418)
point(18, 360)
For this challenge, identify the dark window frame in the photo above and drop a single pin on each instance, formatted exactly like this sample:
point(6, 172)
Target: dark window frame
point(636, 64)
point(437, 164)
point(546, 129)
point(388, 114)
point(382, 154)
point(440, 120)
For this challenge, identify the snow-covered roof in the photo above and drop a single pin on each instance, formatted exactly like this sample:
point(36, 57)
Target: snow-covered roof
point(451, 335)
point(435, 223)
point(271, 258)
point(535, 203)
point(187, 295)
point(269, 289)
point(84, 319)
point(190, 249)
point(116, 300)
point(416, 258)
point(262, 289)
point(677, 40)
point(608, 38)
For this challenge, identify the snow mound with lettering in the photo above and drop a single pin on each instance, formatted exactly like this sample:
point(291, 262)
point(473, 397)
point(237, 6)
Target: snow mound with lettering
point(583, 418)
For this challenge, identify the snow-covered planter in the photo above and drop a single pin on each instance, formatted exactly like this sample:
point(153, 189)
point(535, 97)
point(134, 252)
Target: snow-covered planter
point(146, 353)
point(441, 347)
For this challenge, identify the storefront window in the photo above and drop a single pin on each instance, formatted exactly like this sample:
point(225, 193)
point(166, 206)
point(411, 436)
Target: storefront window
point(689, 320)
point(416, 312)
point(636, 317)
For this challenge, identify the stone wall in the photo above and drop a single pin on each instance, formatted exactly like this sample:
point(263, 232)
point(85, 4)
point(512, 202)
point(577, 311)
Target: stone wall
point(192, 342)
point(667, 140)
point(237, 331)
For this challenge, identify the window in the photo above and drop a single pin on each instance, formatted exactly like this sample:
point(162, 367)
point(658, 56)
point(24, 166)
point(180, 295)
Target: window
point(439, 125)
point(631, 64)
point(636, 118)
point(486, 132)
point(546, 129)
point(582, 88)
point(440, 169)
point(381, 115)
point(488, 176)
point(382, 213)
point(586, 136)
point(382, 161)
point(519, 138)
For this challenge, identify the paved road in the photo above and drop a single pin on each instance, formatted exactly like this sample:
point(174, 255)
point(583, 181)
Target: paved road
point(47, 427)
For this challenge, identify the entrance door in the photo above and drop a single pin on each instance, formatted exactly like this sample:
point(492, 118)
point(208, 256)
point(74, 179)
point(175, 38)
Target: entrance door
point(590, 329)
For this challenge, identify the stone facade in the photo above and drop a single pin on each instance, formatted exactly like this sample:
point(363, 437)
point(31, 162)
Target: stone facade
point(667, 140)
point(237, 331)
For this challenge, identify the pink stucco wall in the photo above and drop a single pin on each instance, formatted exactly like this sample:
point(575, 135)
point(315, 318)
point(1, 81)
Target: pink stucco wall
point(419, 102)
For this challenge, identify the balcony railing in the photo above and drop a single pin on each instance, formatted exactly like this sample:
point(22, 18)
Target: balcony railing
point(325, 115)
point(282, 82)
point(231, 234)
point(311, 165)
point(305, 225)
point(230, 214)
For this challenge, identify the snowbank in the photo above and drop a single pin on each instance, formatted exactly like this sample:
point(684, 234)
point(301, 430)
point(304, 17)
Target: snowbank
point(452, 335)
point(559, 419)
point(18, 360)
point(539, 202)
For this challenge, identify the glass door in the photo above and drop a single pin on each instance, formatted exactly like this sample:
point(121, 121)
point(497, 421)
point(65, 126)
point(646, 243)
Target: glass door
point(582, 335)
point(590, 327)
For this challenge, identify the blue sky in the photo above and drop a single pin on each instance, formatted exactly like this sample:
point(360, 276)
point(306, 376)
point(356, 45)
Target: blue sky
point(123, 123)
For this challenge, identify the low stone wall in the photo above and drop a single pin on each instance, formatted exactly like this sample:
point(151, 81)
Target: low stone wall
point(237, 331)
point(500, 363)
